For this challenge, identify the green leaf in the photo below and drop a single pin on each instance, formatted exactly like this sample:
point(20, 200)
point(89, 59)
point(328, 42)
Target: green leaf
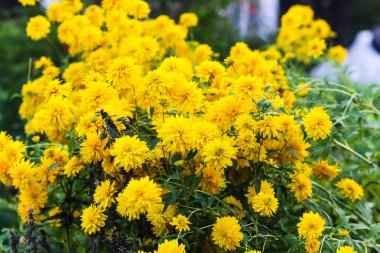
point(292, 151)
point(191, 154)
point(175, 176)
point(267, 88)
point(197, 180)
point(359, 226)
point(175, 158)
point(53, 166)
point(154, 143)
point(374, 231)
point(171, 197)
point(187, 244)
point(151, 111)
point(343, 222)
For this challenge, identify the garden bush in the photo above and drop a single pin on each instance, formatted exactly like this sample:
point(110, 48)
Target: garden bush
point(140, 140)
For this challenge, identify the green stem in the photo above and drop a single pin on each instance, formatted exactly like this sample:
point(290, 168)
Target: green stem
point(55, 48)
point(68, 239)
point(331, 89)
point(68, 214)
point(352, 151)
point(353, 210)
point(29, 69)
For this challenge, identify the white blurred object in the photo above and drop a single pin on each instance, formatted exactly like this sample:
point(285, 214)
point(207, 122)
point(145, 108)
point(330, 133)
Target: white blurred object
point(268, 18)
point(254, 17)
point(362, 62)
point(244, 17)
point(47, 3)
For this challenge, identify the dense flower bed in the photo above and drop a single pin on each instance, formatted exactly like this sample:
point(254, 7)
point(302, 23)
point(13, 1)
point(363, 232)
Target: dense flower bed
point(141, 141)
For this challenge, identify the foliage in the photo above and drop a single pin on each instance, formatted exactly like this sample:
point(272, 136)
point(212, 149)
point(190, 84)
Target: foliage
point(138, 140)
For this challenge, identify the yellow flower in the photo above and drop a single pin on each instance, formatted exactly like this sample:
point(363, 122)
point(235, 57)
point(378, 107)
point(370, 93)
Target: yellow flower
point(301, 186)
point(137, 8)
point(346, 249)
point(210, 71)
point(160, 219)
point(179, 65)
point(28, 2)
point(288, 126)
point(56, 111)
point(181, 223)
point(24, 212)
point(219, 153)
point(323, 171)
point(317, 123)
point(202, 52)
point(188, 19)
point(138, 197)
point(50, 72)
point(95, 14)
point(38, 27)
point(74, 73)
point(129, 152)
point(225, 111)
point(249, 87)
point(104, 194)
point(56, 89)
point(158, 81)
point(187, 97)
point(350, 189)
point(251, 193)
point(44, 62)
point(123, 73)
point(268, 126)
point(93, 148)
point(5, 166)
point(236, 205)
point(171, 246)
point(90, 38)
point(265, 204)
point(13, 150)
point(36, 138)
point(93, 219)
point(212, 180)
point(303, 89)
point(204, 132)
point(98, 94)
point(253, 251)
point(176, 134)
point(54, 212)
point(337, 53)
point(109, 5)
point(245, 124)
point(311, 226)
point(312, 246)
point(303, 168)
point(36, 198)
point(228, 61)
point(344, 232)
point(316, 47)
point(4, 140)
point(267, 187)
point(23, 175)
point(86, 124)
point(226, 233)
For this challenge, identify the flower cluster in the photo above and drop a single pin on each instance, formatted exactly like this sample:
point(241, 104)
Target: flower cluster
point(154, 141)
point(304, 38)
